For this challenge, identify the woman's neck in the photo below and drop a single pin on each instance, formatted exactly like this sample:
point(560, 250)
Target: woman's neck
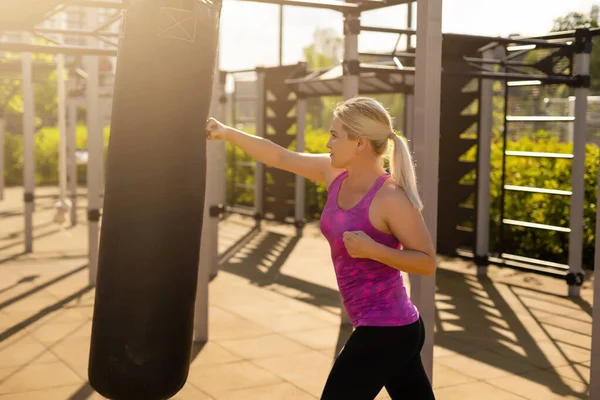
point(361, 176)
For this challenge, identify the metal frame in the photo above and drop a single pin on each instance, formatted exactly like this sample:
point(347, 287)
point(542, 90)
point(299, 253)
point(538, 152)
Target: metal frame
point(484, 150)
point(28, 144)
point(95, 150)
point(575, 275)
point(301, 106)
point(1, 155)
point(259, 168)
point(426, 141)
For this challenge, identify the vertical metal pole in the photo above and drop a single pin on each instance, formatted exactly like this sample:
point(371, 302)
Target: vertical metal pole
point(62, 118)
point(501, 246)
point(350, 84)
point(409, 22)
point(28, 144)
point(582, 69)
point(571, 126)
point(409, 116)
point(95, 147)
point(223, 112)
point(70, 157)
point(259, 171)
point(426, 147)
point(484, 157)
point(301, 105)
point(595, 356)
point(351, 61)
point(219, 163)
point(1, 155)
point(280, 35)
point(210, 225)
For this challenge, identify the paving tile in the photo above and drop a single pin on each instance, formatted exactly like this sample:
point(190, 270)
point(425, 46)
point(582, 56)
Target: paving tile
point(52, 333)
point(22, 352)
point(213, 353)
point(476, 391)
point(39, 376)
point(542, 385)
point(263, 346)
point(577, 372)
point(444, 376)
point(311, 364)
point(277, 391)
point(226, 377)
point(317, 339)
point(484, 365)
point(544, 354)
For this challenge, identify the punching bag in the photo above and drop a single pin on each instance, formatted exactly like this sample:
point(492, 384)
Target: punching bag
point(142, 326)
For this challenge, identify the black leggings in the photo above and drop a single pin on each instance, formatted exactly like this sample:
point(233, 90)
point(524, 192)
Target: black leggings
point(374, 357)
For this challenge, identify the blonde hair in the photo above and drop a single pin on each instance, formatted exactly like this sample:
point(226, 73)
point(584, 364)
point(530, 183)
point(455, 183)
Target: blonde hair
point(363, 116)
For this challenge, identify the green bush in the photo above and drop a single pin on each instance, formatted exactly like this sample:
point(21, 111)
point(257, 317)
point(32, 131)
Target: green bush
point(46, 156)
point(548, 209)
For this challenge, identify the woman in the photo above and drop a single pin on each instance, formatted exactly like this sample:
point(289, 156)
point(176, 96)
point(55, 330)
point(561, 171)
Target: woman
point(374, 226)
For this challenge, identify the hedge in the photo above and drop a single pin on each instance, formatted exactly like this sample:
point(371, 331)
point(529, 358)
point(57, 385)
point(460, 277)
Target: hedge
point(520, 171)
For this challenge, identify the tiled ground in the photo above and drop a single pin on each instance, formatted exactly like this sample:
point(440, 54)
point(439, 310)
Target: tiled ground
point(275, 321)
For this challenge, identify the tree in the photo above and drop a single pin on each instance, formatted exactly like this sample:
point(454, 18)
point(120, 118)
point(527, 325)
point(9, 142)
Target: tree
point(575, 20)
point(321, 53)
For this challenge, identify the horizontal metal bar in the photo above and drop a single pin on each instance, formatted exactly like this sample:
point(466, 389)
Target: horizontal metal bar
point(369, 67)
point(327, 4)
point(515, 76)
point(515, 257)
point(570, 34)
point(538, 154)
point(525, 263)
point(388, 30)
point(523, 83)
point(390, 55)
point(94, 4)
point(537, 190)
point(540, 118)
point(66, 50)
point(535, 226)
point(498, 61)
point(375, 5)
point(239, 71)
point(75, 32)
point(539, 42)
point(241, 210)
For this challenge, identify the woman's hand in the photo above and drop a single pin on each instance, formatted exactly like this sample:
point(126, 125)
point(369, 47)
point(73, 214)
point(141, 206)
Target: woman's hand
point(216, 130)
point(359, 244)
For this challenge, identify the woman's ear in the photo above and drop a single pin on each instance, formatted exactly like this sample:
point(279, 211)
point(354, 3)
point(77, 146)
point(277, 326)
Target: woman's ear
point(361, 144)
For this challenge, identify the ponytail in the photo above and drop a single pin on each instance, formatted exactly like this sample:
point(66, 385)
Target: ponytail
point(402, 170)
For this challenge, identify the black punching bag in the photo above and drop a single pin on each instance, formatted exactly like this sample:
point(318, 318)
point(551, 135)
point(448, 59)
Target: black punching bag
point(142, 328)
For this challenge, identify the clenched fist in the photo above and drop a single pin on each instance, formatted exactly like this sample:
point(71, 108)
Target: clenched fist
point(358, 244)
point(216, 130)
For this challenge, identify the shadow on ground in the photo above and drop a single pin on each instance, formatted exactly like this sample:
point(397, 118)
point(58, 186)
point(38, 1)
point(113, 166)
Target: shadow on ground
point(475, 319)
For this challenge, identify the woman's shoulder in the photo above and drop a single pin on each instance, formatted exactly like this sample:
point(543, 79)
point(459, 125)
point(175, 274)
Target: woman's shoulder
point(391, 196)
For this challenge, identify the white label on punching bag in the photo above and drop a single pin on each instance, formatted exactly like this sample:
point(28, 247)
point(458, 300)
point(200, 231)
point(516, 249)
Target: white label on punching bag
point(177, 24)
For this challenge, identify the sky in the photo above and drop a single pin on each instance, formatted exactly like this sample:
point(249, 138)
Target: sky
point(249, 31)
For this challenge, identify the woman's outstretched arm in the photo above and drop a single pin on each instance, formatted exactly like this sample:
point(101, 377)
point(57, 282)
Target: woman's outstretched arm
point(315, 167)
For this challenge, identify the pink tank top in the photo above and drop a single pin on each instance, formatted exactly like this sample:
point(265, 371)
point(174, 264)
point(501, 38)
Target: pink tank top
point(373, 293)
